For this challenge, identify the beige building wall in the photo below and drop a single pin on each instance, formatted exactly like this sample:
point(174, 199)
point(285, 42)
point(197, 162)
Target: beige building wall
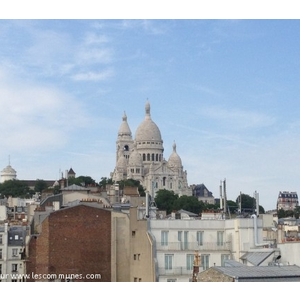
point(132, 248)
point(142, 264)
point(120, 247)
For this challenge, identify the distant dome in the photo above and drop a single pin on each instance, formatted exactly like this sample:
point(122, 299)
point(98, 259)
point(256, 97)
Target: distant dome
point(8, 173)
point(9, 170)
point(148, 130)
point(174, 159)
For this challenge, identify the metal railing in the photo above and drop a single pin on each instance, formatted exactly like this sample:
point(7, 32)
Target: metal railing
point(192, 246)
point(175, 271)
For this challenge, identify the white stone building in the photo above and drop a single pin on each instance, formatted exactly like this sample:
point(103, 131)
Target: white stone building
point(12, 255)
point(8, 173)
point(142, 159)
point(215, 240)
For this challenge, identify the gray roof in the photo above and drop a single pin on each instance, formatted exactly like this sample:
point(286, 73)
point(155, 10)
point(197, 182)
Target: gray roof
point(256, 258)
point(232, 263)
point(75, 187)
point(266, 272)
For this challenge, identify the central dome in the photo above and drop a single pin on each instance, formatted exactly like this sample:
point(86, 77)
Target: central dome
point(148, 130)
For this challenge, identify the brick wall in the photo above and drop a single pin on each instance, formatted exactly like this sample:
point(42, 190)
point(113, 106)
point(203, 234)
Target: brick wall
point(74, 241)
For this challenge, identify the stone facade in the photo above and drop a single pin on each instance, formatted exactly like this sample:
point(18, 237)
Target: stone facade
point(212, 275)
point(142, 159)
point(287, 200)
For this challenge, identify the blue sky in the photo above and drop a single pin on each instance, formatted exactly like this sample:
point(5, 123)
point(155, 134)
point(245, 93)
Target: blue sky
point(226, 91)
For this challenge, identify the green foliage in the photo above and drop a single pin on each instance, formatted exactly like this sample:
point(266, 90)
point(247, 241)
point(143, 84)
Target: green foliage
point(81, 180)
point(261, 210)
point(189, 203)
point(165, 199)
point(132, 182)
point(249, 202)
point(233, 207)
point(40, 185)
point(105, 181)
point(281, 213)
point(15, 188)
point(169, 201)
point(56, 190)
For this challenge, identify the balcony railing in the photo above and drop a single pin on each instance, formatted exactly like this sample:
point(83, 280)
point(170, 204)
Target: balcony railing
point(175, 271)
point(193, 246)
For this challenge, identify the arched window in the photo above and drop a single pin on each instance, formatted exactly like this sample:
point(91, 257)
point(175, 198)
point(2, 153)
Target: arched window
point(144, 157)
point(164, 181)
point(148, 157)
point(152, 156)
point(156, 157)
point(126, 148)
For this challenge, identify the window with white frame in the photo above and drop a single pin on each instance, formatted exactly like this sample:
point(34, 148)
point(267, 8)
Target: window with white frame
point(223, 258)
point(169, 261)
point(180, 240)
point(185, 239)
point(200, 238)
point(14, 252)
point(205, 261)
point(14, 267)
point(220, 238)
point(190, 261)
point(164, 238)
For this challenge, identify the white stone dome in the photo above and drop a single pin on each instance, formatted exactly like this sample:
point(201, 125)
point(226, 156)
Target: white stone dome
point(8, 173)
point(174, 159)
point(135, 158)
point(148, 130)
point(122, 161)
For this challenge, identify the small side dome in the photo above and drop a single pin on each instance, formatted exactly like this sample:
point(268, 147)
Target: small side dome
point(122, 162)
point(174, 159)
point(135, 158)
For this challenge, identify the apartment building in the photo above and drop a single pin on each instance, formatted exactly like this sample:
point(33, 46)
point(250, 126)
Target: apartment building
point(12, 252)
point(215, 240)
point(287, 200)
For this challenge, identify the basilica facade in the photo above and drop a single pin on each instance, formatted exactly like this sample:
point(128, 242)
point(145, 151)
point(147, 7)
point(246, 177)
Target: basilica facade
point(142, 159)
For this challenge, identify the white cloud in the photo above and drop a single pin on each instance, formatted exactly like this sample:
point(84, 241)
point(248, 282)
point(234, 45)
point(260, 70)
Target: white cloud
point(35, 116)
point(93, 76)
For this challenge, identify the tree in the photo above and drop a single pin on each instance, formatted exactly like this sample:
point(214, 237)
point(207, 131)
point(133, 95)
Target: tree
point(81, 180)
point(15, 188)
point(281, 213)
point(40, 185)
point(132, 182)
point(105, 181)
point(165, 199)
point(233, 207)
point(189, 203)
point(249, 203)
